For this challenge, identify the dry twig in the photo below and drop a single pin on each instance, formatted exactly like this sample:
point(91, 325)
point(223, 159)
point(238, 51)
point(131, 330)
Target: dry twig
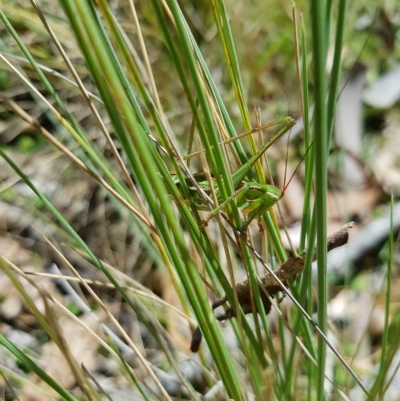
point(269, 286)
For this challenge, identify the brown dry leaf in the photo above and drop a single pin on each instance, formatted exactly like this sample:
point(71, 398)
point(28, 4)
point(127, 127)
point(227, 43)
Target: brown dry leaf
point(35, 390)
point(13, 251)
point(83, 347)
point(41, 282)
point(377, 321)
point(395, 298)
point(12, 305)
point(160, 283)
point(71, 197)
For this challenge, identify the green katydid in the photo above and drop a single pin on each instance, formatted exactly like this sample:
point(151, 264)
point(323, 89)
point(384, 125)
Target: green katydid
point(252, 198)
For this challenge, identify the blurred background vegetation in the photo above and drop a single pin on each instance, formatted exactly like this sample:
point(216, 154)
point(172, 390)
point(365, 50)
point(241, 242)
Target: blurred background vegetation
point(264, 43)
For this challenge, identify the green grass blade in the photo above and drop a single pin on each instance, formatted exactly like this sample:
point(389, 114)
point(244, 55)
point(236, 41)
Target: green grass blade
point(386, 359)
point(336, 66)
point(128, 370)
point(226, 38)
point(153, 189)
point(29, 364)
point(319, 46)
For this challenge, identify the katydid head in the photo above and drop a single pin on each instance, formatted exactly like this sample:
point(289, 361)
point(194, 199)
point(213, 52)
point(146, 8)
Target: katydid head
point(274, 193)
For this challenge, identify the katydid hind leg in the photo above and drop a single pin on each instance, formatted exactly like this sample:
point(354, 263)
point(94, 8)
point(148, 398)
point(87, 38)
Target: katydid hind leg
point(242, 172)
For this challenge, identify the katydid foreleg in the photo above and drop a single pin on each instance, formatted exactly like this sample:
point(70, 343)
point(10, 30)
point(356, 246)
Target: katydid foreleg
point(253, 199)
